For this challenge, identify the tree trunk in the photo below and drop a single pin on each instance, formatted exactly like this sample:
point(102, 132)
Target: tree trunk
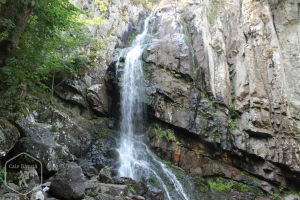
point(19, 14)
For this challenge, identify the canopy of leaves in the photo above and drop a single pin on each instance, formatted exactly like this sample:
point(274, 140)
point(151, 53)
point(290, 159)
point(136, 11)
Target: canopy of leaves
point(51, 45)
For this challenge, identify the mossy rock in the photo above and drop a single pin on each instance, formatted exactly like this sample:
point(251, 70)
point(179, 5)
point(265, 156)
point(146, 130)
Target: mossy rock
point(9, 135)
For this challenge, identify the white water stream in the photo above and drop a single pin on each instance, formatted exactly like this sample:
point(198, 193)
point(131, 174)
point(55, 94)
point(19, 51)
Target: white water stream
point(136, 159)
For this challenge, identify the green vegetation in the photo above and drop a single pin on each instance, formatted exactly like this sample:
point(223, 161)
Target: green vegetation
point(132, 189)
point(212, 10)
point(131, 37)
point(2, 175)
point(102, 133)
point(203, 95)
point(54, 128)
point(146, 3)
point(223, 185)
point(232, 124)
point(175, 74)
point(282, 192)
point(167, 134)
point(92, 192)
point(154, 182)
point(48, 50)
point(233, 113)
point(211, 16)
point(175, 167)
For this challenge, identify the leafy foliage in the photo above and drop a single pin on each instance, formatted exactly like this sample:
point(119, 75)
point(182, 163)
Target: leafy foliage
point(146, 3)
point(232, 124)
point(223, 185)
point(233, 113)
point(164, 133)
point(50, 47)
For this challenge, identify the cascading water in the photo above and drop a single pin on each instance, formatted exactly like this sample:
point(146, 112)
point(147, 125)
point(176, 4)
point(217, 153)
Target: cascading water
point(136, 159)
point(131, 103)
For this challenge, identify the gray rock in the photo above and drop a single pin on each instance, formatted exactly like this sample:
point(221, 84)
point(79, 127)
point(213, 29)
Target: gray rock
point(292, 197)
point(137, 197)
point(114, 190)
point(40, 142)
point(68, 183)
point(12, 196)
point(89, 170)
point(98, 98)
point(105, 175)
point(70, 134)
point(9, 135)
point(240, 60)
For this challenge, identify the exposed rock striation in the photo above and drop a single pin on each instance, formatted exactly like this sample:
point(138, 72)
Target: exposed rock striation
point(226, 72)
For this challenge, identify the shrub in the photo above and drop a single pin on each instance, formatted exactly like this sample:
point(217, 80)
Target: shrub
point(167, 134)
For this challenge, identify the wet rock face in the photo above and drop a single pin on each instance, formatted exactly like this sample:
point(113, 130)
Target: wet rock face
point(226, 72)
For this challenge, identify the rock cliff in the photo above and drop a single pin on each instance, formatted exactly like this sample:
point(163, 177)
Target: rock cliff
point(222, 98)
point(225, 73)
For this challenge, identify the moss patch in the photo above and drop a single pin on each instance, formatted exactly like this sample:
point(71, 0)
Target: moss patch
point(2, 174)
point(167, 134)
point(224, 185)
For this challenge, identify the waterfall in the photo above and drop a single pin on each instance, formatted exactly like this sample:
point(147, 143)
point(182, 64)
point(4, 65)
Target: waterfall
point(131, 103)
point(136, 159)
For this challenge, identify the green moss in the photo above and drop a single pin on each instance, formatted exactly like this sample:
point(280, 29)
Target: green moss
point(102, 133)
point(212, 11)
point(145, 3)
point(232, 124)
point(131, 37)
point(54, 128)
point(154, 182)
point(211, 15)
point(281, 193)
point(233, 113)
point(223, 185)
point(215, 133)
point(91, 192)
point(175, 167)
point(132, 189)
point(2, 175)
point(202, 95)
point(175, 74)
point(167, 134)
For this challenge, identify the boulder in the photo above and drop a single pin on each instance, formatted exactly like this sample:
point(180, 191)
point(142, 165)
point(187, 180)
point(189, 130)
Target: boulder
point(68, 183)
point(70, 134)
point(93, 187)
point(89, 170)
point(40, 142)
point(105, 175)
point(114, 190)
point(98, 98)
point(9, 135)
point(141, 188)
